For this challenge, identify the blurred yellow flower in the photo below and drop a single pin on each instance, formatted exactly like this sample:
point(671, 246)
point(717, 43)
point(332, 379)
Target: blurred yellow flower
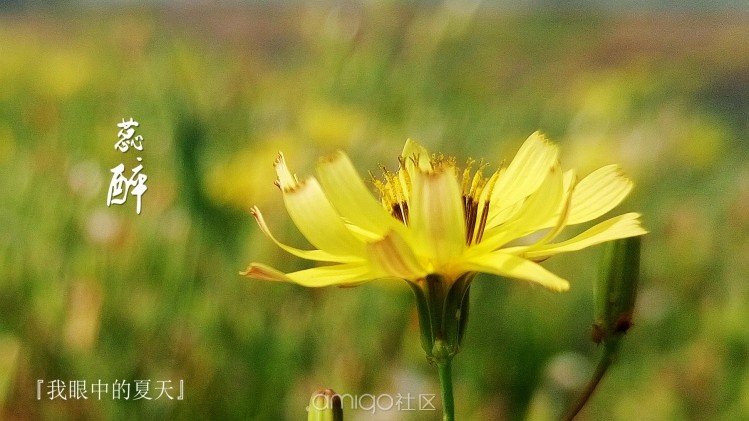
point(330, 125)
point(434, 219)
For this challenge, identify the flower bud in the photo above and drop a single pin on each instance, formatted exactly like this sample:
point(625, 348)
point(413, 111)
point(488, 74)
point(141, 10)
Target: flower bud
point(616, 290)
point(325, 405)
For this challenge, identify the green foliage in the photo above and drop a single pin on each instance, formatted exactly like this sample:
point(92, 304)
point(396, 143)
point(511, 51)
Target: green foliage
point(89, 292)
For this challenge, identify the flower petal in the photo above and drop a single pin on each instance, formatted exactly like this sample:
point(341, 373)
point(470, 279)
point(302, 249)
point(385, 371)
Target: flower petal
point(524, 175)
point(265, 273)
point(351, 198)
point(436, 213)
point(562, 216)
point(313, 214)
point(392, 255)
point(543, 205)
point(598, 193)
point(285, 179)
point(416, 157)
point(318, 255)
point(505, 264)
point(347, 274)
point(622, 226)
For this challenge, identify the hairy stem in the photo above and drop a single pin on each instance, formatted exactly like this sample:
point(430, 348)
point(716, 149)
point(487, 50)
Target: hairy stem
point(608, 357)
point(446, 385)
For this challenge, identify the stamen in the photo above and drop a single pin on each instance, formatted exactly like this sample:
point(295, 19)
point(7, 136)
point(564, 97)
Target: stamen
point(405, 175)
point(476, 184)
point(470, 208)
point(466, 177)
point(399, 211)
point(482, 224)
point(395, 190)
point(486, 194)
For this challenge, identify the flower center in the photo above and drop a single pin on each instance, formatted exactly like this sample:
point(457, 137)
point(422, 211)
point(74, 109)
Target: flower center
point(476, 191)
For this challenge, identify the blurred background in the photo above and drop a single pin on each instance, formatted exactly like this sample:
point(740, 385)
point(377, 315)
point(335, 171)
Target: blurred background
point(90, 292)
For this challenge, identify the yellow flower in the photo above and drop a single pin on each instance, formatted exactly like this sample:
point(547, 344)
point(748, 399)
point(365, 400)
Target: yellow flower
point(434, 219)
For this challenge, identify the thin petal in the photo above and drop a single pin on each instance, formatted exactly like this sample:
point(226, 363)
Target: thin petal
point(504, 264)
point(562, 218)
point(315, 217)
point(546, 202)
point(622, 226)
point(524, 175)
point(347, 274)
point(598, 193)
point(394, 257)
point(351, 198)
point(437, 220)
point(318, 255)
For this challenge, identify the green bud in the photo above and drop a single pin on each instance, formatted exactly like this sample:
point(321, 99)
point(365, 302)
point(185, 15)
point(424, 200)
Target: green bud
point(325, 405)
point(616, 290)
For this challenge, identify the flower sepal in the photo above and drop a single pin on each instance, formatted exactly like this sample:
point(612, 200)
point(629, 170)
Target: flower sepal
point(442, 305)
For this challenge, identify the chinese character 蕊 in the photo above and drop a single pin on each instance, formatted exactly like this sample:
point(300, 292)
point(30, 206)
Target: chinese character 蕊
point(125, 136)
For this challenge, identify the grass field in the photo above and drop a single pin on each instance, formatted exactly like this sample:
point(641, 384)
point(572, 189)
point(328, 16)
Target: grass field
point(95, 293)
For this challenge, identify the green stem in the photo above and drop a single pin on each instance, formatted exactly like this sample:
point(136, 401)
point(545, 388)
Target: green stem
point(608, 357)
point(446, 387)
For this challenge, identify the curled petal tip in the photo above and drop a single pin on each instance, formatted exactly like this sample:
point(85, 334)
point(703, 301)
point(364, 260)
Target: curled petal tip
point(255, 212)
point(285, 180)
point(251, 271)
point(562, 287)
point(263, 272)
point(246, 272)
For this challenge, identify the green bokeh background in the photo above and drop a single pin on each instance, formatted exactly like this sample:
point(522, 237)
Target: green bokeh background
point(92, 292)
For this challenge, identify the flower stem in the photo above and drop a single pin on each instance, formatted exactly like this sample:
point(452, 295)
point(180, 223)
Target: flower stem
point(446, 385)
point(608, 357)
